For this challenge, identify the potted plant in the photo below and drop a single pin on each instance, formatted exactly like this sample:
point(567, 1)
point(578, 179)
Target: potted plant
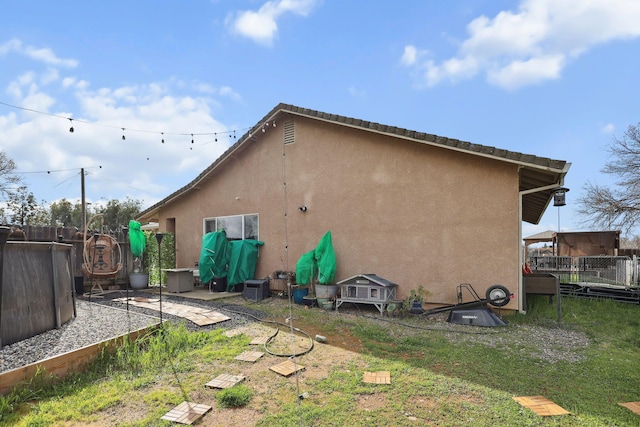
point(324, 290)
point(414, 302)
point(318, 268)
point(137, 243)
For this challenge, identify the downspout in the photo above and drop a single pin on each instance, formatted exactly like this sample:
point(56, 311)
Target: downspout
point(521, 309)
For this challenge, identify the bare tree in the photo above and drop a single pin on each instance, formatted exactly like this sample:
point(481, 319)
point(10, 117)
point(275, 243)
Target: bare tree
point(619, 207)
point(8, 179)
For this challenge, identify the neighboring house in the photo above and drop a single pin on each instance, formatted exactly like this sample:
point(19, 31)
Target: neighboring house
point(579, 243)
point(410, 207)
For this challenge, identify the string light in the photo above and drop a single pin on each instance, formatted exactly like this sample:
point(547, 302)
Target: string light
point(232, 133)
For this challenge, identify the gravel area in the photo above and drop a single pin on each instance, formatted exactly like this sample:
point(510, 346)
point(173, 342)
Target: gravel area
point(548, 345)
point(102, 319)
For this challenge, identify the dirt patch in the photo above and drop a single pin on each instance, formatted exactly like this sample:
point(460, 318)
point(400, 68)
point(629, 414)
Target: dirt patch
point(372, 402)
point(340, 352)
point(270, 389)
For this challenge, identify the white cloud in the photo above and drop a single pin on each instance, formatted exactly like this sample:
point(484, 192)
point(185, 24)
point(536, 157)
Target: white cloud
point(44, 55)
point(357, 93)
point(38, 101)
point(521, 73)
point(10, 46)
point(532, 45)
point(261, 26)
point(409, 56)
point(48, 57)
point(228, 92)
point(50, 76)
point(608, 128)
point(68, 81)
point(141, 166)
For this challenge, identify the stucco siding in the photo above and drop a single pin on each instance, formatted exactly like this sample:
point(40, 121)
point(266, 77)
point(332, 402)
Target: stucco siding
point(413, 213)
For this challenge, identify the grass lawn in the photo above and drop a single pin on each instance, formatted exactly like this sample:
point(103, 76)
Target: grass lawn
point(441, 374)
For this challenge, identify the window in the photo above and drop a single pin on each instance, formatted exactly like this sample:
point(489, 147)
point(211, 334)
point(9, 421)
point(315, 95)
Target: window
point(237, 227)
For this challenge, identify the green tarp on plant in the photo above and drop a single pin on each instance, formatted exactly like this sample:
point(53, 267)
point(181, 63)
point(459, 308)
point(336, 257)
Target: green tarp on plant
point(306, 268)
point(326, 258)
point(242, 261)
point(320, 261)
point(137, 239)
point(214, 256)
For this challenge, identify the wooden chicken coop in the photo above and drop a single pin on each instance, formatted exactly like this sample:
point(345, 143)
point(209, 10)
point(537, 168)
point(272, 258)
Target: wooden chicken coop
point(367, 289)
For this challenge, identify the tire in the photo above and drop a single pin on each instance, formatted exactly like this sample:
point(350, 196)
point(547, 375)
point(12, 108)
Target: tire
point(498, 295)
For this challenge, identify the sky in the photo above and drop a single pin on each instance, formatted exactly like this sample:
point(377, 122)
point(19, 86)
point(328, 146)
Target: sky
point(555, 79)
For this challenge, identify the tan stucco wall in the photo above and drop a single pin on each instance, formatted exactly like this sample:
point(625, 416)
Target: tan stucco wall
point(409, 212)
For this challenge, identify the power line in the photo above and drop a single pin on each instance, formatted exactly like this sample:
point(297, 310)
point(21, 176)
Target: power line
point(53, 171)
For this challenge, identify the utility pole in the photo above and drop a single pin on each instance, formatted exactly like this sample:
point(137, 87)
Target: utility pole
point(84, 207)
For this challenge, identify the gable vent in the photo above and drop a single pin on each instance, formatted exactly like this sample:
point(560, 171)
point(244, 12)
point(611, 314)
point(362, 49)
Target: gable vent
point(289, 133)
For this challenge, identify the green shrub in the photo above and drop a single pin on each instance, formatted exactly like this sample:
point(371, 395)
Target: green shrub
point(234, 397)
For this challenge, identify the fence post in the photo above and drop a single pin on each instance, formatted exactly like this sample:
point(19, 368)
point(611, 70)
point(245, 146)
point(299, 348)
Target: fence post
point(4, 235)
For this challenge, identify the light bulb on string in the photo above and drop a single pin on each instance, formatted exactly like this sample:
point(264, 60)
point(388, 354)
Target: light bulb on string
point(123, 138)
point(216, 137)
point(163, 137)
point(192, 138)
point(274, 124)
point(71, 128)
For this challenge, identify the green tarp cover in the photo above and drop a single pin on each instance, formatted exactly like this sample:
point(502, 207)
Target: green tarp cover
point(214, 256)
point(306, 268)
point(137, 239)
point(326, 258)
point(242, 261)
point(320, 261)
